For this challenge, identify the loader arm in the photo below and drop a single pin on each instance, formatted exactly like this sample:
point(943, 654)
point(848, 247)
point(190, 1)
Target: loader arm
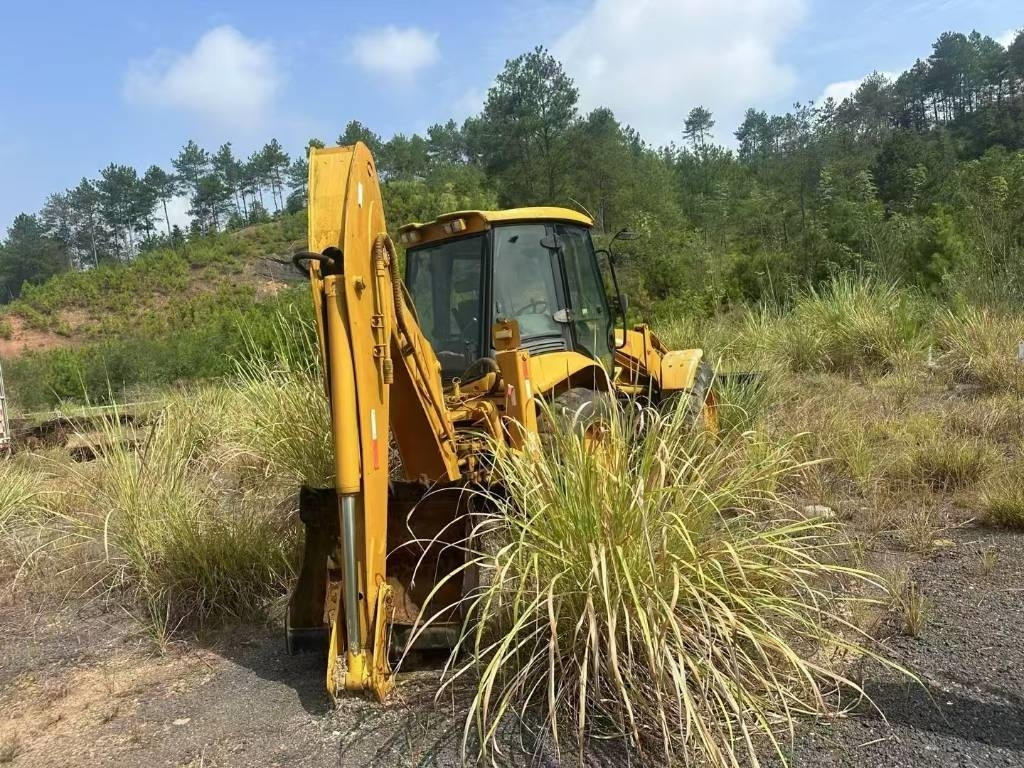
point(382, 377)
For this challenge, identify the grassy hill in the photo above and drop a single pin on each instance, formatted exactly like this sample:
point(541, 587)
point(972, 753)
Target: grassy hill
point(170, 315)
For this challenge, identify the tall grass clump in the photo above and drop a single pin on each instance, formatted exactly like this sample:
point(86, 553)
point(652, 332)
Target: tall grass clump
point(20, 495)
point(282, 408)
point(157, 520)
point(851, 324)
point(1002, 499)
point(655, 590)
point(980, 347)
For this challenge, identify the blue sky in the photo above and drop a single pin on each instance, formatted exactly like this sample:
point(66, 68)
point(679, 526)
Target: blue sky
point(85, 84)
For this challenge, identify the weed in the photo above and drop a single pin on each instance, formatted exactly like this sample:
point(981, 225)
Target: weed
point(915, 610)
point(987, 561)
point(949, 463)
point(282, 413)
point(907, 601)
point(852, 324)
point(980, 348)
point(1002, 499)
point(148, 519)
point(20, 493)
point(916, 529)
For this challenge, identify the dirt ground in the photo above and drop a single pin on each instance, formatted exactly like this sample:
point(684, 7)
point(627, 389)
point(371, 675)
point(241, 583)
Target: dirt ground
point(80, 686)
point(22, 338)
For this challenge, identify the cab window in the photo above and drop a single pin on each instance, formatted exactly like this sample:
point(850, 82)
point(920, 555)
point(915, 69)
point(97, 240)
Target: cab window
point(445, 283)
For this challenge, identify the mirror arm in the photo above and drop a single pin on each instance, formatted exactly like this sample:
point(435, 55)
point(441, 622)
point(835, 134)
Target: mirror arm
point(621, 304)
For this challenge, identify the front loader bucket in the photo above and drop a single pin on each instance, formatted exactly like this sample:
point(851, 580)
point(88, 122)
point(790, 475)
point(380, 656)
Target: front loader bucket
point(427, 530)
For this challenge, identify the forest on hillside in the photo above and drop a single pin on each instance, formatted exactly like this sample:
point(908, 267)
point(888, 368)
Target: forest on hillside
point(918, 180)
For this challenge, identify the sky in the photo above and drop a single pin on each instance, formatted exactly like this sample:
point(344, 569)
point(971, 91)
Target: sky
point(86, 84)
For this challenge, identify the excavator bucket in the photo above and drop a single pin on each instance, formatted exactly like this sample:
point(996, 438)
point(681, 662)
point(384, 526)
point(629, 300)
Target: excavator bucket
point(427, 530)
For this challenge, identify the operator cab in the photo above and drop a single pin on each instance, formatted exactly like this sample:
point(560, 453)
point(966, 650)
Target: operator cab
point(536, 266)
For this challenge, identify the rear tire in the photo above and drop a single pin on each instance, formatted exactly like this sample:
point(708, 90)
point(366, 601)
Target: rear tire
point(698, 400)
point(587, 411)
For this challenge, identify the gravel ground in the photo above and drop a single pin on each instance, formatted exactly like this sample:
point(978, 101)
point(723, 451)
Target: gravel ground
point(85, 688)
point(969, 657)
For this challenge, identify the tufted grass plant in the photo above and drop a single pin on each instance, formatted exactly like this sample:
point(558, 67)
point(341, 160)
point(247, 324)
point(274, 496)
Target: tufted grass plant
point(656, 591)
point(980, 347)
point(282, 410)
point(853, 323)
point(158, 520)
point(19, 491)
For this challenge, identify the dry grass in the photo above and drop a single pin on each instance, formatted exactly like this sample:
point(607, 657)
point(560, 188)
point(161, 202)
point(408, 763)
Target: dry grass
point(20, 493)
point(907, 601)
point(853, 324)
point(988, 559)
point(949, 462)
point(160, 518)
point(979, 347)
point(281, 412)
point(1002, 498)
point(10, 747)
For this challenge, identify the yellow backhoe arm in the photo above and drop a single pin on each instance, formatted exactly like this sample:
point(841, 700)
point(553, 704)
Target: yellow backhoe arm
point(375, 361)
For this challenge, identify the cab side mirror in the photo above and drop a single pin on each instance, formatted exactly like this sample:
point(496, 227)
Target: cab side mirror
point(624, 303)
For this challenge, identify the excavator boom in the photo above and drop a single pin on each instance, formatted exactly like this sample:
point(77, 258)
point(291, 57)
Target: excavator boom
point(376, 363)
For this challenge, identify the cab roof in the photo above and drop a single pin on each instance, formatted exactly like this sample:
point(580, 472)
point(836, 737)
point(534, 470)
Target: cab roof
point(447, 225)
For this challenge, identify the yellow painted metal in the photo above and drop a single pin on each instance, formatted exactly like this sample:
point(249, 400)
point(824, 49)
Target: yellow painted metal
point(554, 369)
point(679, 369)
point(480, 221)
point(505, 335)
point(420, 420)
point(342, 387)
point(646, 363)
point(355, 325)
point(520, 409)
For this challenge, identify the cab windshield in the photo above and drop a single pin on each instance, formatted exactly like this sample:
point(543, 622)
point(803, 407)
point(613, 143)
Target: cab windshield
point(544, 276)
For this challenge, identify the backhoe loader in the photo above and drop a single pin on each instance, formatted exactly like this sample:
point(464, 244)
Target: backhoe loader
point(498, 312)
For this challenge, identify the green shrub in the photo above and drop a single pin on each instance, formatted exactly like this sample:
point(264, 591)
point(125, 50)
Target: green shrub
point(194, 340)
point(123, 290)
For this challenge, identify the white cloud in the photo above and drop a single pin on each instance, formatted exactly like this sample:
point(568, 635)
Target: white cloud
point(397, 54)
point(1007, 37)
point(471, 102)
point(177, 213)
point(226, 78)
point(844, 88)
point(652, 61)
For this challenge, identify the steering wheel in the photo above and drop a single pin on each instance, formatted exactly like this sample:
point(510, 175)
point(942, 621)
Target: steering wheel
point(537, 307)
